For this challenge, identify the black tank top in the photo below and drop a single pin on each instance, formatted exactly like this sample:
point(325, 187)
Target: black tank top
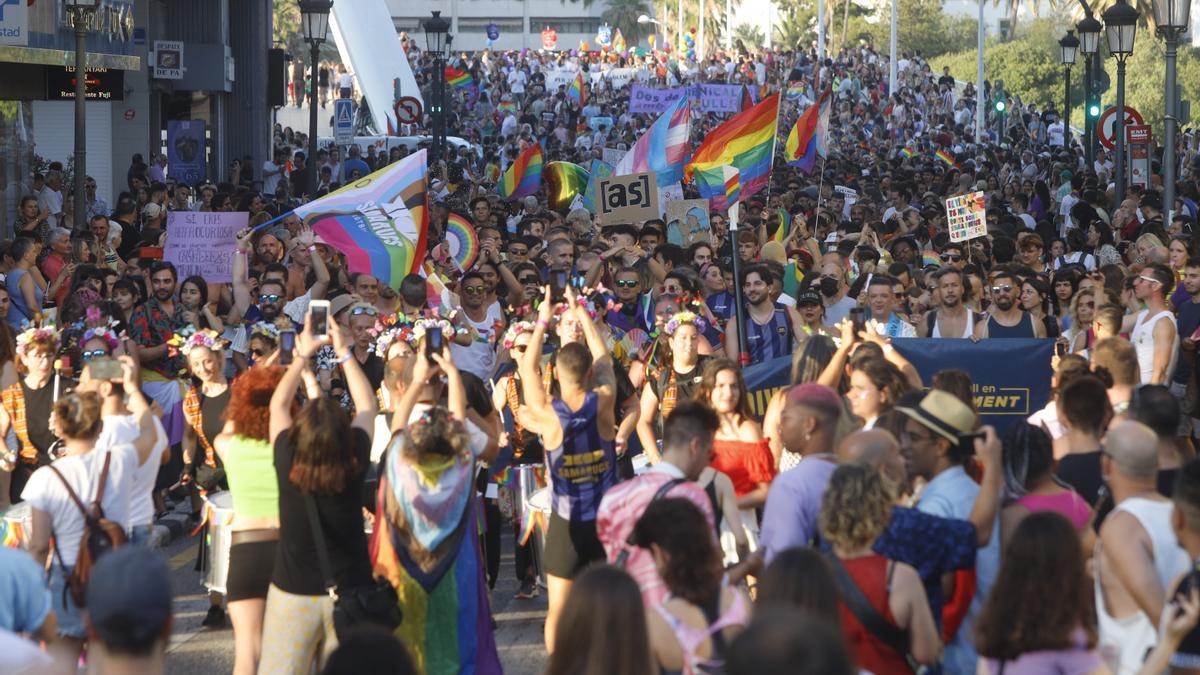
point(1023, 329)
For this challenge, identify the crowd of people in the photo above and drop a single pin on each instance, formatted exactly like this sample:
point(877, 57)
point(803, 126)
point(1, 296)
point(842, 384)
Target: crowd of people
point(374, 437)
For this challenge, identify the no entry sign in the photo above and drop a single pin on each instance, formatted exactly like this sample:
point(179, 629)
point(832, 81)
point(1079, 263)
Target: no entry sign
point(1108, 123)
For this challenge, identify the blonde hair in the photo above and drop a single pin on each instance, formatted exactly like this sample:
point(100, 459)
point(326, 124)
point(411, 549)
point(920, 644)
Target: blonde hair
point(856, 507)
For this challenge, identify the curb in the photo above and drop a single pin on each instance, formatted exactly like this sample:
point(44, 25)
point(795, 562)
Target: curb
point(172, 526)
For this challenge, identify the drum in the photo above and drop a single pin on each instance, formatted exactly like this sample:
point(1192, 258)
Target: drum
point(17, 526)
point(218, 538)
point(538, 500)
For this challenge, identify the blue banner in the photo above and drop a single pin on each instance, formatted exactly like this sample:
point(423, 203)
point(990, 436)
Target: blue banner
point(1011, 377)
point(186, 151)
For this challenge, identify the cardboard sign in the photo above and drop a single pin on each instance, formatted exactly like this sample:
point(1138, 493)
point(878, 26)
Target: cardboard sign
point(627, 199)
point(687, 222)
point(966, 216)
point(668, 194)
point(203, 243)
point(612, 156)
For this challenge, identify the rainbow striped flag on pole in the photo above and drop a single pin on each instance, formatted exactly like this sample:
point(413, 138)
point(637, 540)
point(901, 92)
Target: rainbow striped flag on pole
point(461, 79)
point(524, 177)
point(575, 92)
point(746, 142)
point(806, 142)
point(379, 222)
point(663, 148)
point(945, 157)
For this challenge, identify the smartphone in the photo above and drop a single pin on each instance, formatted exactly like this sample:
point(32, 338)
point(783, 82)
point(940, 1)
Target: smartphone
point(558, 285)
point(106, 369)
point(320, 316)
point(856, 315)
point(287, 343)
point(434, 343)
point(1060, 349)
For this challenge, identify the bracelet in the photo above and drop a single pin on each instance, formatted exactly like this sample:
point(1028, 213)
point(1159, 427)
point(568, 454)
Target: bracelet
point(888, 348)
point(344, 358)
point(542, 323)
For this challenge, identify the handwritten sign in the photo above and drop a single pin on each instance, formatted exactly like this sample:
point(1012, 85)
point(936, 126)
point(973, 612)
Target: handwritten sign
point(203, 243)
point(966, 216)
point(628, 199)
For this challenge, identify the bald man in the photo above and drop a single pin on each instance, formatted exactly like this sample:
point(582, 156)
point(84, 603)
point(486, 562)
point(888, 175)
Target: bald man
point(1138, 556)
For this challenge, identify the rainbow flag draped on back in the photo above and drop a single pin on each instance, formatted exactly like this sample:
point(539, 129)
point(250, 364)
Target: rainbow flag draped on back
point(663, 148)
point(524, 177)
point(806, 142)
point(575, 91)
point(379, 222)
point(746, 142)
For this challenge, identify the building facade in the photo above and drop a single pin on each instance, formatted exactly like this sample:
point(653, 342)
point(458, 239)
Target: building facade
point(520, 24)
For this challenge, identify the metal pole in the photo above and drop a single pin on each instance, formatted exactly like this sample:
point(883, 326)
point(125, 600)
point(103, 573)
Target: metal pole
point(1119, 129)
point(80, 121)
point(439, 97)
point(893, 73)
point(1095, 139)
point(310, 162)
point(820, 29)
point(1067, 110)
point(1087, 105)
point(739, 299)
point(700, 37)
point(980, 109)
point(1169, 121)
point(728, 25)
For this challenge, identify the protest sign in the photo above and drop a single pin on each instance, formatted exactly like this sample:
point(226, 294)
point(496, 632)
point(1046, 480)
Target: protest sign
point(718, 98)
point(668, 194)
point(966, 217)
point(687, 222)
point(627, 199)
point(612, 156)
point(595, 123)
point(203, 243)
point(559, 78)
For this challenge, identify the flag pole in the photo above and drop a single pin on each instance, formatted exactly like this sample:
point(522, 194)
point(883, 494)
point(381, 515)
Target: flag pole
point(739, 300)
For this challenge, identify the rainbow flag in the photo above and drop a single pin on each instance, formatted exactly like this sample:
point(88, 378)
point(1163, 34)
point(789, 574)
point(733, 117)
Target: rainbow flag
point(505, 107)
point(524, 177)
point(806, 142)
point(906, 152)
point(618, 42)
point(663, 148)
point(462, 240)
point(930, 259)
point(794, 91)
point(380, 222)
point(946, 157)
point(564, 181)
point(461, 79)
point(746, 142)
point(733, 184)
point(599, 170)
point(785, 223)
point(575, 92)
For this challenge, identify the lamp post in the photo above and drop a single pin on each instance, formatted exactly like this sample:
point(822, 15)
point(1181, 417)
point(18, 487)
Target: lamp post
point(315, 17)
point(1069, 47)
point(1120, 27)
point(437, 39)
point(1089, 42)
point(643, 20)
point(1171, 17)
point(81, 15)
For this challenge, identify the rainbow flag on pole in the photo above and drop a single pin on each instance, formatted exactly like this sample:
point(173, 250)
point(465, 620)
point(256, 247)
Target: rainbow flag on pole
point(746, 142)
point(906, 152)
point(524, 177)
point(785, 222)
point(575, 91)
point(806, 142)
point(663, 148)
point(618, 42)
point(945, 157)
point(379, 222)
point(461, 79)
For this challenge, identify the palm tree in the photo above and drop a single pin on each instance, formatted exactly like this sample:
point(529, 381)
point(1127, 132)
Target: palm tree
point(749, 34)
point(623, 15)
point(1012, 9)
point(1145, 10)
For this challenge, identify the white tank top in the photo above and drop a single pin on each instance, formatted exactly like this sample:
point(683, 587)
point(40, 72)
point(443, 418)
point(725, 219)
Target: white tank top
point(968, 330)
point(1135, 635)
point(1142, 337)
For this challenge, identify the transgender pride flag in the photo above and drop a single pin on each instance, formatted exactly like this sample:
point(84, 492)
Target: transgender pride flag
point(664, 148)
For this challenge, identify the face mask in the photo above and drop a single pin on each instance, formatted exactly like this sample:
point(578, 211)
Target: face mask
point(829, 287)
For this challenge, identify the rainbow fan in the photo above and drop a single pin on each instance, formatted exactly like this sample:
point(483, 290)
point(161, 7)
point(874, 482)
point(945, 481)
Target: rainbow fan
point(462, 240)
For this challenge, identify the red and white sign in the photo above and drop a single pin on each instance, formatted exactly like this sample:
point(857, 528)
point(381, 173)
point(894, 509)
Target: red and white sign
point(1108, 123)
point(408, 110)
point(1139, 139)
point(1138, 133)
point(549, 38)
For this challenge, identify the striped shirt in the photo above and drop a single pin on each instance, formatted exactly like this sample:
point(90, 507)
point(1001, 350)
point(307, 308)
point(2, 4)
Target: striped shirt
point(775, 339)
point(584, 466)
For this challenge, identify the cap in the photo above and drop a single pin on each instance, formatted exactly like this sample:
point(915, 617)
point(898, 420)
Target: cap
point(809, 297)
point(816, 396)
point(129, 596)
point(942, 413)
point(151, 211)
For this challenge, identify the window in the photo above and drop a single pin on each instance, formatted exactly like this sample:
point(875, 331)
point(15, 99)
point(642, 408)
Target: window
point(564, 25)
point(480, 25)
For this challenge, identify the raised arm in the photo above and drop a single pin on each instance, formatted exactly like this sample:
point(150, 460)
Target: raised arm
point(366, 405)
point(320, 270)
point(281, 401)
point(540, 414)
point(241, 288)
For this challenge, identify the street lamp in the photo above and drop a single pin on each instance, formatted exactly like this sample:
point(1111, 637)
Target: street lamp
point(1120, 27)
point(1069, 46)
point(314, 15)
point(643, 20)
point(437, 39)
point(1089, 42)
point(81, 14)
point(1171, 17)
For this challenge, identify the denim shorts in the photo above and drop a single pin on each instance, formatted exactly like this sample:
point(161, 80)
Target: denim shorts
point(70, 617)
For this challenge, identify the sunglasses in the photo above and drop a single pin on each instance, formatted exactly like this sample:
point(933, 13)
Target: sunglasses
point(1002, 289)
point(257, 353)
point(94, 354)
point(950, 257)
point(627, 283)
point(474, 290)
point(269, 297)
point(359, 311)
point(531, 281)
point(1149, 280)
point(518, 251)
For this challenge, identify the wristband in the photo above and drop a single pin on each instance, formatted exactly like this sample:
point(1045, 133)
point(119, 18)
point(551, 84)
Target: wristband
point(543, 323)
point(344, 358)
point(888, 348)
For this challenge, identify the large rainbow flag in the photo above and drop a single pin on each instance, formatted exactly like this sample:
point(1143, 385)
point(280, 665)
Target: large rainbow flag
point(524, 177)
point(575, 91)
point(806, 142)
point(379, 222)
point(461, 79)
point(746, 142)
point(663, 148)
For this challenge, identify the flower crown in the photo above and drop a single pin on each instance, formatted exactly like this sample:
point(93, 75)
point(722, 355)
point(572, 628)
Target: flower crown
point(422, 326)
point(515, 330)
point(265, 329)
point(106, 333)
point(683, 318)
point(189, 338)
point(26, 337)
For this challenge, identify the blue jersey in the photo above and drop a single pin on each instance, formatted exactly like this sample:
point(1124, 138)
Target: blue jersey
point(584, 466)
point(775, 339)
point(721, 305)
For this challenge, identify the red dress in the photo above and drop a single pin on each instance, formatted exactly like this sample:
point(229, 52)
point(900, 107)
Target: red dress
point(870, 575)
point(746, 463)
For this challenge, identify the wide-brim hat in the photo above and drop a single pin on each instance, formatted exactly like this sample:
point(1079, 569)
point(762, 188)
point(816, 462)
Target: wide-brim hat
point(942, 413)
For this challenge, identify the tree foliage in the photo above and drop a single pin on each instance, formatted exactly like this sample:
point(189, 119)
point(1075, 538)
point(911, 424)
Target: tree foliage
point(623, 15)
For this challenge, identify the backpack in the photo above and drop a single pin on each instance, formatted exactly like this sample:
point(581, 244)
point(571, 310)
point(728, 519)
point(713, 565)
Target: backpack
point(100, 535)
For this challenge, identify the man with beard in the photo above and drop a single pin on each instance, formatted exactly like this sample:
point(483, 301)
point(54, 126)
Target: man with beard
point(1153, 331)
point(951, 318)
point(1006, 319)
point(486, 324)
point(151, 325)
point(771, 328)
point(269, 307)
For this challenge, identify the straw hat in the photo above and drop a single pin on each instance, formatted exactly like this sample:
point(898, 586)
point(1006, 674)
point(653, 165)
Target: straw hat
point(942, 413)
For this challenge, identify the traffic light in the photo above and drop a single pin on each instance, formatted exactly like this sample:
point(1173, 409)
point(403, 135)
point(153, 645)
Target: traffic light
point(1093, 110)
point(999, 102)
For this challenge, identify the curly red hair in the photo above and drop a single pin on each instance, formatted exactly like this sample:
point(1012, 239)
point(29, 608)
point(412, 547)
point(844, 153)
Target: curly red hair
point(250, 401)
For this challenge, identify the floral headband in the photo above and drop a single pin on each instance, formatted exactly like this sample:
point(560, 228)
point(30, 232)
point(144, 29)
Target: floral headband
point(515, 331)
point(26, 338)
point(106, 333)
point(422, 326)
point(265, 329)
point(188, 338)
point(682, 318)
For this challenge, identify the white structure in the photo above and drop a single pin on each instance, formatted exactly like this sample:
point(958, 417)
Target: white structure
point(520, 23)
